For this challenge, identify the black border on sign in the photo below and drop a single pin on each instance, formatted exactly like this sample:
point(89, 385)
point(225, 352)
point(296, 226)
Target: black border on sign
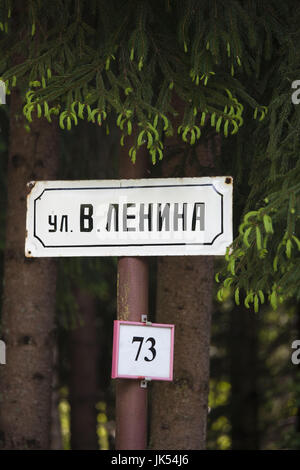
point(131, 244)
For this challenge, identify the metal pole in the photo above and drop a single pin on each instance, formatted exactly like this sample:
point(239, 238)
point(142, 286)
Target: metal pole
point(132, 291)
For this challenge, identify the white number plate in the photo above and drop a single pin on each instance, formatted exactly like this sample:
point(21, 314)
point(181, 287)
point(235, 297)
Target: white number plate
point(143, 351)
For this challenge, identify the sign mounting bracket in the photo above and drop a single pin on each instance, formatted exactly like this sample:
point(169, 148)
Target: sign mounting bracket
point(144, 319)
point(144, 382)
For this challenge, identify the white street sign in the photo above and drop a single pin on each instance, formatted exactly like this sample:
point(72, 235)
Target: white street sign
point(143, 351)
point(145, 217)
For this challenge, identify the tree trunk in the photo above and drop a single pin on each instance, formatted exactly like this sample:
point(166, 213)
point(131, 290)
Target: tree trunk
point(83, 375)
point(243, 347)
point(56, 435)
point(184, 297)
point(179, 409)
point(29, 293)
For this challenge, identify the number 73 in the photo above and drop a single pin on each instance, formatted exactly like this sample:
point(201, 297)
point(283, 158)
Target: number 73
point(140, 339)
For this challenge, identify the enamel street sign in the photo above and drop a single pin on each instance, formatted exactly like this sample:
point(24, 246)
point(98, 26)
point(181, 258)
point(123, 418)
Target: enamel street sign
point(144, 217)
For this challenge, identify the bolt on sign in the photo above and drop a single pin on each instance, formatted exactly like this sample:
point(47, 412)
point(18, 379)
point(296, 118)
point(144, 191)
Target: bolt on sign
point(145, 217)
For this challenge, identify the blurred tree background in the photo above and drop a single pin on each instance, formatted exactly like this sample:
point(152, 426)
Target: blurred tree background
point(254, 396)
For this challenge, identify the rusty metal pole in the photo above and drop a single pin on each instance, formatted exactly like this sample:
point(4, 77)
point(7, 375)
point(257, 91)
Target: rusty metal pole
point(132, 291)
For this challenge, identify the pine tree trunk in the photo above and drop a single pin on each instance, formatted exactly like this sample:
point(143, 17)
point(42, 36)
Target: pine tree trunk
point(56, 434)
point(83, 375)
point(184, 297)
point(179, 409)
point(243, 347)
point(29, 294)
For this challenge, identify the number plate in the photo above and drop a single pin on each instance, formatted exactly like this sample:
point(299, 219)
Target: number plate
point(143, 351)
